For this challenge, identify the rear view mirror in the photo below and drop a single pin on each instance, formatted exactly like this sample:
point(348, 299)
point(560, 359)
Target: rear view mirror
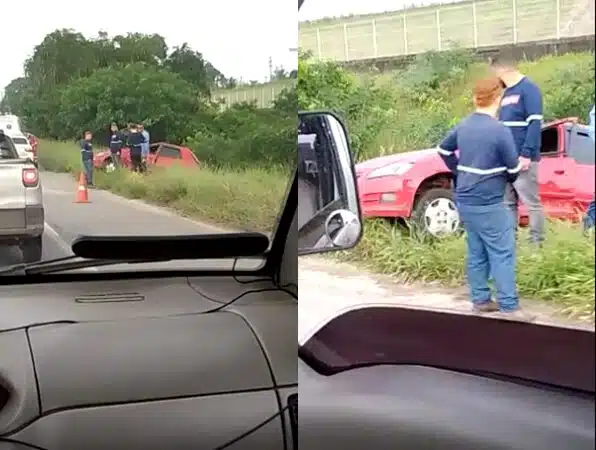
point(328, 209)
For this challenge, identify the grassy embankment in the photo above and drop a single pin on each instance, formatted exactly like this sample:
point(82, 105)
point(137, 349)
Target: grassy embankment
point(240, 199)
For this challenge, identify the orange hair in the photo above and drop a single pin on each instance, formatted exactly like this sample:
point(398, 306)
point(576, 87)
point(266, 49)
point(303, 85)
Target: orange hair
point(486, 91)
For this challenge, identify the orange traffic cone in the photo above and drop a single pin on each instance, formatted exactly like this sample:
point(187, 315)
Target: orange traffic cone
point(82, 192)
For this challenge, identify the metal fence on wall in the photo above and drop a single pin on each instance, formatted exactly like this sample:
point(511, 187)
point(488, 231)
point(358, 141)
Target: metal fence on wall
point(470, 24)
point(263, 94)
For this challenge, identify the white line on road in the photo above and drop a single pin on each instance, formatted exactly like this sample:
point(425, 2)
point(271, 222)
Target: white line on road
point(62, 244)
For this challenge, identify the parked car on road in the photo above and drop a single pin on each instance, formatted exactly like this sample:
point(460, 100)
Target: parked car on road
point(418, 187)
point(21, 202)
point(23, 146)
point(161, 154)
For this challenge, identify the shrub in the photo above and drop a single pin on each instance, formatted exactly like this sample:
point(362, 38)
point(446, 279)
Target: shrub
point(244, 136)
point(412, 108)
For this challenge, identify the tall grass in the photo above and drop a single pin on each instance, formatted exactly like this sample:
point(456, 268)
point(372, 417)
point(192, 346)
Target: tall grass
point(561, 273)
point(248, 199)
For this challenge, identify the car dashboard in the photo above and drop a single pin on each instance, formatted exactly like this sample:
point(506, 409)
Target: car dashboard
point(152, 364)
point(423, 408)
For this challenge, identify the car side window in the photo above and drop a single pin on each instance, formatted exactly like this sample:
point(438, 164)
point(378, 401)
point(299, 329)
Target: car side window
point(550, 142)
point(580, 146)
point(8, 149)
point(170, 152)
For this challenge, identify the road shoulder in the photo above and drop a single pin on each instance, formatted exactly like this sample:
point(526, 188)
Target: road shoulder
point(327, 283)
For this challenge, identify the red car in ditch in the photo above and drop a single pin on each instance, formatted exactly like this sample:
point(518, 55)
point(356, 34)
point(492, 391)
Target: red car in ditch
point(417, 185)
point(161, 154)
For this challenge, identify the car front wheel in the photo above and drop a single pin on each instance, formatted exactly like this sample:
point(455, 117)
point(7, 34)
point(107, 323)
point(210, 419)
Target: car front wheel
point(435, 213)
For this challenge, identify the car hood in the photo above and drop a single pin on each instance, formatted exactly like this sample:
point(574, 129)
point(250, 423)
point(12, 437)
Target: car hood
point(408, 157)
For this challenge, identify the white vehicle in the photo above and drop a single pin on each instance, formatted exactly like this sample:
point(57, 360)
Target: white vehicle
point(21, 203)
point(10, 123)
point(22, 145)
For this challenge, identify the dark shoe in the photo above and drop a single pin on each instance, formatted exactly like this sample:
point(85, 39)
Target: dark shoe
point(487, 307)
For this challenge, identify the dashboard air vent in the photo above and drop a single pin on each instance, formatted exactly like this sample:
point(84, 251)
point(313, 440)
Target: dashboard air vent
point(110, 297)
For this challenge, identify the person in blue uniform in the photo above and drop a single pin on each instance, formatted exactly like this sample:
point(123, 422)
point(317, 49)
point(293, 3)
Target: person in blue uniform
point(86, 147)
point(135, 143)
point(521, 112)
point(590, 217)
point(116, 143)
point(487, 161)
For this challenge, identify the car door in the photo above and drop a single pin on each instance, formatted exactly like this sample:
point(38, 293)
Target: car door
point(580, 156)
point(168, 155)
point(153, 152)
point(555, 180)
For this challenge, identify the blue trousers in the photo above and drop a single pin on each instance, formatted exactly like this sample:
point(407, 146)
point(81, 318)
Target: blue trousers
point(88, 169)
point(490, 238)
point(590, 217)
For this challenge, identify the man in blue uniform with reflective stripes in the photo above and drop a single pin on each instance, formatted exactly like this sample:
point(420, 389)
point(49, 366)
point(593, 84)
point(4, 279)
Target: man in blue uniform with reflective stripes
point(521, 112)
point(487, 161)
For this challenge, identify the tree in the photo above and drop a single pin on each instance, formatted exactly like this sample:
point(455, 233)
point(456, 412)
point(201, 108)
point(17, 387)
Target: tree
point(136, 47)
point(65, 63)
point(191, 66)
point(13, 92)
point(137, 92)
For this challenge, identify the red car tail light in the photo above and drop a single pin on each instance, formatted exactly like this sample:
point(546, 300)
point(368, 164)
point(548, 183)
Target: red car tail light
point(30, 177)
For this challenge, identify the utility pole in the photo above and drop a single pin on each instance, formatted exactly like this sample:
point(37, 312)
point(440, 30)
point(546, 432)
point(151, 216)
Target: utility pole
point(270, 69)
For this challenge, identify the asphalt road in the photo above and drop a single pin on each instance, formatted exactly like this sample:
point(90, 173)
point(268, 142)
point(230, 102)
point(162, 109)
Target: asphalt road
point(107, 214)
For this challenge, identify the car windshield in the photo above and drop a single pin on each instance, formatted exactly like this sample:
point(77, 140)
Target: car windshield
point(154, 126)
point(402, 81)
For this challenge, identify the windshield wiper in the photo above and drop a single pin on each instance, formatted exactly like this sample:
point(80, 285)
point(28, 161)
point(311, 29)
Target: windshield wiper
point(96, 251)
point(66, 263)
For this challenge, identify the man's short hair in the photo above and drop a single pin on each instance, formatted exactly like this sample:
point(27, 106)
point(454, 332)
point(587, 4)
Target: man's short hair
point(503, 61)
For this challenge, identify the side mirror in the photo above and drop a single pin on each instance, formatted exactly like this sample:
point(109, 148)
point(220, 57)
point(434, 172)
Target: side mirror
point(328, 208)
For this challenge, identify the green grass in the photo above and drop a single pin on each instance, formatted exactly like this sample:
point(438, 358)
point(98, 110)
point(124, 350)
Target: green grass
point(561, 273)
point(408, 125)
point(249, 199)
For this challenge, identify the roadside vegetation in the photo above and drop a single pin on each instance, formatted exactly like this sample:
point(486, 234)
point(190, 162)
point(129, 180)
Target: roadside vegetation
point(238, 199)
point(73, 84)
point(412, 109)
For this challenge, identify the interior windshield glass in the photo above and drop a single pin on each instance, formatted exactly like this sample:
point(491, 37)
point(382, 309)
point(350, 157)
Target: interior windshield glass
point(152, 126)
point(411, 89)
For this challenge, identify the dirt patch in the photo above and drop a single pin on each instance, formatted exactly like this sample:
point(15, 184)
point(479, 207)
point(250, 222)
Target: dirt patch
point(325, 284)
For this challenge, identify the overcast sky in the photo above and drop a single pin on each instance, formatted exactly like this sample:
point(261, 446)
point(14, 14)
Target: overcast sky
point(236, 36)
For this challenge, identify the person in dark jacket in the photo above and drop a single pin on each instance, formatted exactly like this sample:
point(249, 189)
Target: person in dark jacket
point(116, 143)
point(135, 143)
point(521, 112)
point(590, 217)
point(86, 148)
point(487, 161)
